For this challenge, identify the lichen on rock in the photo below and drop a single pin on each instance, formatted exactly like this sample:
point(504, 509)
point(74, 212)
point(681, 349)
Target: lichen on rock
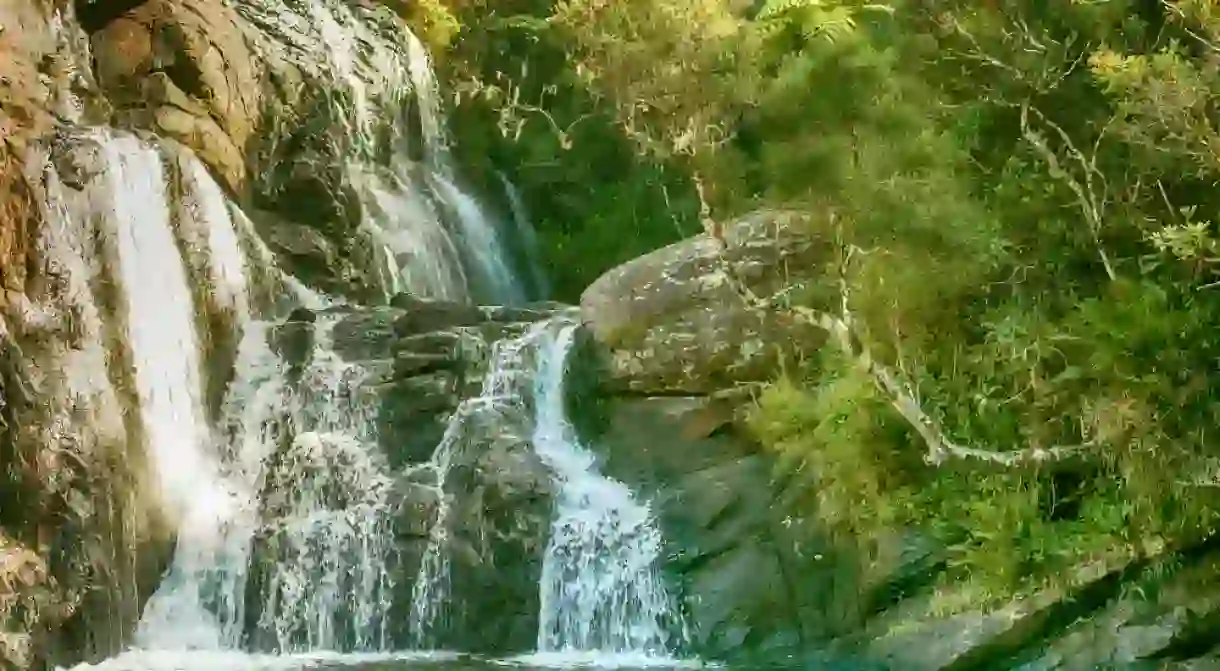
point(674, 322)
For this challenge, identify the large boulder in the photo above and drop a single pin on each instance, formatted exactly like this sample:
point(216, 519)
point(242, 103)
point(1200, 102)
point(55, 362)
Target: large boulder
point(675, 321)
point(185, 70)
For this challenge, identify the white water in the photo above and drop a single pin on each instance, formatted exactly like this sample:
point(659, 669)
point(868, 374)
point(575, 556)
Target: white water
point(328, 588)
point(406, 222)
point(159, 315)
point(291, 473)
point(160, 321)
point(503, 387)
point(435, 235)
point(601, 588)
point(528, 236)
point(602, 595)
point(329, 525)
point(226, 263)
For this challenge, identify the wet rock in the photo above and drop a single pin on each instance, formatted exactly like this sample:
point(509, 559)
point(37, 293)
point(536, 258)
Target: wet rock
point(415, 505)
point(293, 341)
point(77, 161)
point(437, 354)
point(421, 315)
point(367, 334)
point(410, 364)
point(673, 323)
point(304, 252)
point(527, 313)
point(762, 581)
point(302, 316)
point(311, 188)
point(504, 515)
point(413, 416)
point(917, 634)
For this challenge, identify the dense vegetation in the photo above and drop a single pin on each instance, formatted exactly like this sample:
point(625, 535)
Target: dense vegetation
point(1022, 195)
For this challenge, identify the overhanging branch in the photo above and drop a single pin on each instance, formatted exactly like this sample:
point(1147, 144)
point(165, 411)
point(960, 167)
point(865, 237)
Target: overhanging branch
point(840, 327)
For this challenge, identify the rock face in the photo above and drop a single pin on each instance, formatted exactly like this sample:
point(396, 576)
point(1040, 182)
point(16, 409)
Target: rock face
point(185, 70)
point(673, 323)
point(264, 107)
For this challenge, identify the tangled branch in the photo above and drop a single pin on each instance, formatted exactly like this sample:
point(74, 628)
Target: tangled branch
point(848, 340)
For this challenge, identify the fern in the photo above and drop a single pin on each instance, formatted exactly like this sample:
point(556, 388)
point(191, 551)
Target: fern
point(813, 19)
point(777, 8)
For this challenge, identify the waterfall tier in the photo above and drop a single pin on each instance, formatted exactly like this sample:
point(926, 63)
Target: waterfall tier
point(250, 331)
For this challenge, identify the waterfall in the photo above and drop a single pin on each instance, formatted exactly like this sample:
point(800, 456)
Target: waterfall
point(225, 259)
point(263, 440)
point(601, 590)
point(160, 316)
point(502, 388)
point(304, 436)
point(161, 331)
point(527, 234)
point(436, 238)
point(327, 540)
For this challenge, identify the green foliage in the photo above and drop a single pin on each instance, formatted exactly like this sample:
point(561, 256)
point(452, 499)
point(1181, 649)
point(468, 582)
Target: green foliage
point(433, 20)
point(840, 440)
point(1030, 193)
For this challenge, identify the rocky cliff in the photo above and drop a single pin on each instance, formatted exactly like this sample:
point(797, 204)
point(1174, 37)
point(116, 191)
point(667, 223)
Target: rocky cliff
point(256, 95)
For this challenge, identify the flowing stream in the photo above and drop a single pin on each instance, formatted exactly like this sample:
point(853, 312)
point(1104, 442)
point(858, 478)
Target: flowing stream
point(276, 485)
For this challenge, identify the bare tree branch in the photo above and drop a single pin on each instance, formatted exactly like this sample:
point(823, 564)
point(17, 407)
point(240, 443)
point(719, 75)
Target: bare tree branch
point(1087, 198)
point(843, 334)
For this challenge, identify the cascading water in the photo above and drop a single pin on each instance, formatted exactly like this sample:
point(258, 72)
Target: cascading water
point(161, 328)
point(436, 239)
point(297, 474)
point(304, 436)
point(275, 483)
point(601, 591)
point(327, 540)
point(160, 319)
point(527, 235)
point(503, 386)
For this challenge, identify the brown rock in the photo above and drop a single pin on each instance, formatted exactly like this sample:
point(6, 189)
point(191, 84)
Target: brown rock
point(188, 68)
point(18, 220)
point(123, 52)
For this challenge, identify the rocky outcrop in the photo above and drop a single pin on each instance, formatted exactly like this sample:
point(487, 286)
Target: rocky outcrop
point(186, 71)
point(674, 321)
point(276, 112)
